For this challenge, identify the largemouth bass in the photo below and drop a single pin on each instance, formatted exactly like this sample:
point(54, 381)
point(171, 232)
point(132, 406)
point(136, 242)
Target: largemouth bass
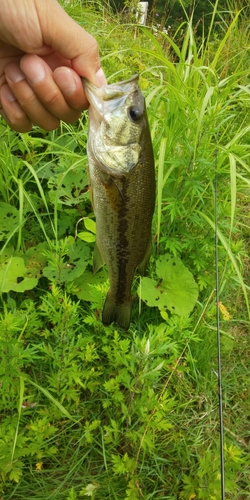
point(122, 181)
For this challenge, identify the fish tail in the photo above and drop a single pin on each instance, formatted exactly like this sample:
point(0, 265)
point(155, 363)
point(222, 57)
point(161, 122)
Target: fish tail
point(113, 312)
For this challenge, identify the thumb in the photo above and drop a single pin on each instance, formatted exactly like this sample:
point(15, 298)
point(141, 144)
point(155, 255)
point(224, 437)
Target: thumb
point(65, 36)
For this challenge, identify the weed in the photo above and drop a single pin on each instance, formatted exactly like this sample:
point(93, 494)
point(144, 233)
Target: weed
point(93, 411)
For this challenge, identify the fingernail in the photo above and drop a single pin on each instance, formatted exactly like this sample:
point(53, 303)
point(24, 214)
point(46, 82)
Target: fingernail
point(7, 94)
point(14, 73)
point(35, 72)
point(100, 78)
point(68, 84)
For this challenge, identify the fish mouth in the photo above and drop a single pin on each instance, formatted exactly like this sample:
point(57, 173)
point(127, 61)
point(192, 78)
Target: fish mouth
point(110, 91)
point(108, 97)
point(117, 92)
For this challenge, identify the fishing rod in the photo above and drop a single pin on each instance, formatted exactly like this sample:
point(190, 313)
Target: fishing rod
point(219, 374)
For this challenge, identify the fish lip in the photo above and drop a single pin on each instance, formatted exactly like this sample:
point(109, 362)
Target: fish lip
point(110, 91)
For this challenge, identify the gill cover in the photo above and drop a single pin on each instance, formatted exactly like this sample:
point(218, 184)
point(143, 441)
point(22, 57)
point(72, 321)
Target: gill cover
point(116, 121)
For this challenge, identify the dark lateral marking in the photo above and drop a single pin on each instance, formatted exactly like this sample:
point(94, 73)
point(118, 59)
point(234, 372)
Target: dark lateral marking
point(122, 249)
point(113, 193)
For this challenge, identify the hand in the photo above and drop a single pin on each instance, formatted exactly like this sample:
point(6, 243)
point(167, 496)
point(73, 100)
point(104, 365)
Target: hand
point(43, 54)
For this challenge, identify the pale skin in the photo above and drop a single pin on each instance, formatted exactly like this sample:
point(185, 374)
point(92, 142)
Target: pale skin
point(43, 55)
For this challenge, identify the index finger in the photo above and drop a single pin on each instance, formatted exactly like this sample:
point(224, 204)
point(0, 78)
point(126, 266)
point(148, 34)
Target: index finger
point(71, 41)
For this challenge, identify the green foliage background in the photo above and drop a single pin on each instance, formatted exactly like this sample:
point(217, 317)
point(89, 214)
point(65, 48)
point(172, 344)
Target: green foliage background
point(172, 12)
point(94, 411)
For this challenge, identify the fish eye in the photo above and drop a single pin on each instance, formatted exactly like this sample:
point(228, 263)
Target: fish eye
point(135, 113)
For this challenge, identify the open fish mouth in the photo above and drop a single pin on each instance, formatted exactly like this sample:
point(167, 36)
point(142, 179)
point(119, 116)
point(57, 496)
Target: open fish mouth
point(110, 91)
point(108, 97)
point(116, 115)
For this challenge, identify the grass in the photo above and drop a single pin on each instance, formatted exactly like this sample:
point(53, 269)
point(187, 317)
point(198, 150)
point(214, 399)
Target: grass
point(93, 411)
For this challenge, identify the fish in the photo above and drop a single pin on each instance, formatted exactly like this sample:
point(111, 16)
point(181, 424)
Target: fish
point(122, 184)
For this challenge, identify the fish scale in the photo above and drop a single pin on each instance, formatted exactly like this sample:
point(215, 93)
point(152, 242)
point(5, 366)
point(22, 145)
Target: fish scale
point(122, 178)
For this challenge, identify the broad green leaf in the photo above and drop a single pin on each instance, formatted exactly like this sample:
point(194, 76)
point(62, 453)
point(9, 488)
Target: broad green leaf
point(90, 225)
point(177, 290)
point(92, 287)
point(86, 236)
point(149, 292)
point(9, 220)
point(69, 188)
point(6, 254)
point(15, 276)
point(35, 260)
point(72, 266)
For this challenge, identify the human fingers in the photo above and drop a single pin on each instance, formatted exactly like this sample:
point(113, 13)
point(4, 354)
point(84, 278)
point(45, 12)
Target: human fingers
point(12, 112)
point(75, 96)
point(61, 91)
point(26, 98)
point(21, 109)
point(38, 95)
point(70, 40)
point(36, 27)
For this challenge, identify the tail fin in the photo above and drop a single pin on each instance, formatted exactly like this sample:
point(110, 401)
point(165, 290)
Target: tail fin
point(120, 314)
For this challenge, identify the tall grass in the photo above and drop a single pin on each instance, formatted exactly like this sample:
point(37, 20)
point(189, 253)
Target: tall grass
point(93, 411)
point(200, 131)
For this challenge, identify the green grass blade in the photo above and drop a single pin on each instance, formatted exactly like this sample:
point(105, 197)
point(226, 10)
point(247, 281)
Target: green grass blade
point(223, 42)
point(160, 184)
point(52, 399)
point(231, 257)
point(21, 219)
point(233, 186)
point(211, 24)
point(238, 136)
point(21, 393)
point(40, 189)
point(38, 217)
point(244, 179)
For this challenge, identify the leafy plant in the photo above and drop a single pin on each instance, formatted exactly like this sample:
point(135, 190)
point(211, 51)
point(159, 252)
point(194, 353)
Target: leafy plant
point(176, 292)
point(94, 411)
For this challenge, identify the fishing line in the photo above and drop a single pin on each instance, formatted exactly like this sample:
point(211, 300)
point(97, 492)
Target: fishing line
point(219, 375)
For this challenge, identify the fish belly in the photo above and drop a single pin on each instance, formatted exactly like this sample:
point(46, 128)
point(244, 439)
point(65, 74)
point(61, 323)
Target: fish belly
point(123, 208)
